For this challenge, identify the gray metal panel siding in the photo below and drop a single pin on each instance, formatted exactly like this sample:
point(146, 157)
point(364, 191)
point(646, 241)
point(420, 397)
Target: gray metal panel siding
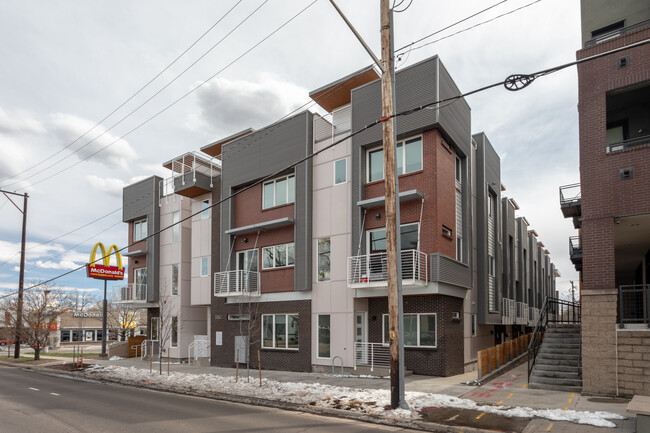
point(509, 264)
point(263, 153)
point(455, 119)
point(450, 271)
point(187, 181)
point(522, 265)
point(140, 200)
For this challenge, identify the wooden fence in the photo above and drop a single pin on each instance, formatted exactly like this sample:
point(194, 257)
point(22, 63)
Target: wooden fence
point(495, 357)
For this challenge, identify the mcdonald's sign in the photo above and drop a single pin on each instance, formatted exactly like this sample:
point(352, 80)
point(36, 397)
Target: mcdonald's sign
point(105, 271)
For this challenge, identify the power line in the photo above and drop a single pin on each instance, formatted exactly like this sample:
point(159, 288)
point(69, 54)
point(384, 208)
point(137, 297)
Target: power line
point(506, 83)
point(129, 114)
point(405, 8)
point(180, 98)
point(130, 97)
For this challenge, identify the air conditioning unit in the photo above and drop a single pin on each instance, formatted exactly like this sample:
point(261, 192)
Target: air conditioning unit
point(455, 315)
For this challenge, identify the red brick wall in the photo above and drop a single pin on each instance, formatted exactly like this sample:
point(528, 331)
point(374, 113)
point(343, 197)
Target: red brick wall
point(436, 181)
point(248, 208)
point(604, 195)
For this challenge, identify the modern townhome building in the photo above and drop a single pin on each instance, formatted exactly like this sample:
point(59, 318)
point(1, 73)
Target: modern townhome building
point(296, 251)
point(169, 273)
point(611, 206)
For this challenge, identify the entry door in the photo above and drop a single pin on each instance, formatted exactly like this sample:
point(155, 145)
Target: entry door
point(246, 261)
point(361, 336)
point(140, 284)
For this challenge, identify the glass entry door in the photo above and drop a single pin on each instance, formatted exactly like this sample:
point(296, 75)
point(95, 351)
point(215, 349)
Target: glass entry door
point(246, 263)
point(361, 338)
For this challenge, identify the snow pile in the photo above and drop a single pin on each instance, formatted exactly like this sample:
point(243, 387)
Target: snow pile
point(115, 358)
point(375, 402)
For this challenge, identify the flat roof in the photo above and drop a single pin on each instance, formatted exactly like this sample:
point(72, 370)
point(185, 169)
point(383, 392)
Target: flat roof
point(214, 149)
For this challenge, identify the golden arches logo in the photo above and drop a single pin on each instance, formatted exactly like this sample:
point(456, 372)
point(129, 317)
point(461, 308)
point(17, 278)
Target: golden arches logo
point(105, 271)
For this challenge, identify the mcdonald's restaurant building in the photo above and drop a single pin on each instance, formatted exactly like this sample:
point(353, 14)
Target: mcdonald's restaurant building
point(86, 326)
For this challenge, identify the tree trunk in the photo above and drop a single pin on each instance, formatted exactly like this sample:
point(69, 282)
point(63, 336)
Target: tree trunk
point(37, 353)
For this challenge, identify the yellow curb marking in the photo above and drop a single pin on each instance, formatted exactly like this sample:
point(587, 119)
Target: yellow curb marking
point(480, 416)
point(566, 408)
point(510, 395)
point(550, 426)
point(525, 385)
point(499, 402)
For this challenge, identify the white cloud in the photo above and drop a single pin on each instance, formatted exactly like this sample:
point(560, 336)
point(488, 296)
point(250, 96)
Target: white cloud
point(19, 122)
point(231, 105)
point(109, 185)
point(63, 264)
point(67, 128)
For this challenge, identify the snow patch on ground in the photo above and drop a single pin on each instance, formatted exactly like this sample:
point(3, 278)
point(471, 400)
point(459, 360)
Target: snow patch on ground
point(375, 402)
point(115, 358)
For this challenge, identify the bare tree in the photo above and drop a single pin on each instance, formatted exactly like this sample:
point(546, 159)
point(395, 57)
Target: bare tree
point(168, 327)
point(122, 317)
point(79, 301)
point(41, 308)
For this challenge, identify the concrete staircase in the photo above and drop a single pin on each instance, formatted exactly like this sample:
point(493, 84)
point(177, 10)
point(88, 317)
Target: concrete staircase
point(558, 362)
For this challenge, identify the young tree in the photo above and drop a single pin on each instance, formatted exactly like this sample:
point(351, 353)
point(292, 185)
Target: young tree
point(168, 327)
point(79, 301)
point(122, 316)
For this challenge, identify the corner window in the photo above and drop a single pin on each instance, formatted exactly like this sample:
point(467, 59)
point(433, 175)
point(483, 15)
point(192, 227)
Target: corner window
point(175, 279)
point(204, 266)
point(324, 259)
point(176, 228)
point(419, 330)
point(139, 230)
point(174, 332)
point(279, 191)
point(205, 209)
point(324, 336)
point(340, 171)
point(278, 256)
point(280, 331)
point(407, 159)
point(491, 266)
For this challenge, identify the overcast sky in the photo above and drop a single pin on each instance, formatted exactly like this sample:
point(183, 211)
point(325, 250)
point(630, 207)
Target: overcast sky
point(65, 65)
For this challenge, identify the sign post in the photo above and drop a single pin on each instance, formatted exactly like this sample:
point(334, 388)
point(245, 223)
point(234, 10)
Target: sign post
point(105, 272)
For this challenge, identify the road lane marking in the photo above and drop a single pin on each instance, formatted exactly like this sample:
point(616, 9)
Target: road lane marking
point(509, 395)
point(480, 416)
point(34, 389)
point(54, 393)
point(550, 426)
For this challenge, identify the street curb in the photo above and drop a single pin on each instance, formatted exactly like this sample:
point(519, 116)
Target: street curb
point(295, 407)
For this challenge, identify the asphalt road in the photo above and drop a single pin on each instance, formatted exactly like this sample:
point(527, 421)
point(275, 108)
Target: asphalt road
point(35, 402)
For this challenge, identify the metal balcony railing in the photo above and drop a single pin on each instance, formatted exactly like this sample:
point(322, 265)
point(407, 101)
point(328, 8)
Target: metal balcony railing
point(132, 292)
point(236, 283)
point(522, 314)
point(371, 270)
point(371, 355)
point(508, 315)
point(626, 144)
point(575, 247)
point(616, 33)
point(634, 303)
point(570, 194)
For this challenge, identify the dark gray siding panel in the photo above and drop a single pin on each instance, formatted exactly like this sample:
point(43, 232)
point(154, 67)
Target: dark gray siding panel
point(455, 119)
point(450, 271)
point(261, 154)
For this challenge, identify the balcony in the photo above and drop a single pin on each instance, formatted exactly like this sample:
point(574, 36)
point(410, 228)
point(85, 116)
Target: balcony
point(237, 283)
point(570, 202)
point(193, 175)
point(132, 292)
point(622, 31)
point(629, 143)
point(522, 314)
point(575, 252)
point(508, 314)
point(371, 270)
point(634, 304)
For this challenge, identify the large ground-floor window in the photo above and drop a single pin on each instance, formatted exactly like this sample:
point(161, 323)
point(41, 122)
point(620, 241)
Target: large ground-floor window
point(280, 331)
point(419, 330)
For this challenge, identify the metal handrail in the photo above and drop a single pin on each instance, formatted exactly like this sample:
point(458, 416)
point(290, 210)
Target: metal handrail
point(630, 142)
point(373, 268)
point(553, 311)
point(570, 193)
point(575, 246)
point(616, 33)
point(634, 303)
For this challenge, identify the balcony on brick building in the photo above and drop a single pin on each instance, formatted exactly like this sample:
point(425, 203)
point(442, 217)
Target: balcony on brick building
point(371, 270)
point(571, 203)
point(628, 117)
point(237, 283)
point(575, 252)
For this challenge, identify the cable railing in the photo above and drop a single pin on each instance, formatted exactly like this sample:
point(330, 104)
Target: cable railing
point(570, 194)
point(373, 355)
point(373, 268)
point(238, 282)
point(521, 317)
point(132, 292)
point(626, 144)
point(553, 311)
point(508, 314)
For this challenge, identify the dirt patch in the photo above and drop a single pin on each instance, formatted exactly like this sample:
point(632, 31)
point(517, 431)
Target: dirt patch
point(474, 418)
point(608, 400)
point(69, 367)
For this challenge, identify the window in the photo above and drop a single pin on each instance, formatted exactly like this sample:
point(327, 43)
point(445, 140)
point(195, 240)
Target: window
point(459, 248)
point(278, 256)
point(611, 28)
point(419, 330)
point(205, 209)
point(139, 230)
point(407, 159)
point(459, 173)
point(176, 228)
point(491, 266)
point(279, 191)
point(174, 342)
point(154, 328)
point(408, 236)
point(324, 336)
point(280, 331)
point(175, 279)
point(324, 259)
point(490, 204)
point(204, 266)
point(340, 171)
point(473, 324)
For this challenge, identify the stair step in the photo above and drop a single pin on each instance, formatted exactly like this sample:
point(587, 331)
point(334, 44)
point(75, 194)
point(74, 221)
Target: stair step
point(555, 374)
point(564, 388)
point(558, 345)
point(558, 362)
point(562, 368)
point(556, 381)
point(558, 356)
point(559, 351)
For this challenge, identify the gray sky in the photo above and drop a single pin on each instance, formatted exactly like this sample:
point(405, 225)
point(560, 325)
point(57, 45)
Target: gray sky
point(65, 65)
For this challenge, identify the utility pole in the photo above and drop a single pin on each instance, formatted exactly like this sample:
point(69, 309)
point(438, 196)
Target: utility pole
point(573, 293)
point(21, 278)
point(104, 336)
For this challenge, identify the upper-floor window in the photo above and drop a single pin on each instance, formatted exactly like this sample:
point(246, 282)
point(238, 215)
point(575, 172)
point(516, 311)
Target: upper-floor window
point(139, 230)
point(324, 259)
point(176, 228)
point(175, 279)
point(278, 256)
point(459, 173)
point(205, 209)
point(204, 267)
point(407, 159)
point(340, 171)
point(279, 191)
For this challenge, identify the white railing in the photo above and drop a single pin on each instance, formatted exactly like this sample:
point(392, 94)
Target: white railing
point(148, 347)
point(193, 162)
point(371, 355)
point(131, 292)
point(508, 315)
point(522, 313)
point(371, 269)
point(167, 187)
point(199, 348)
point(233, 283)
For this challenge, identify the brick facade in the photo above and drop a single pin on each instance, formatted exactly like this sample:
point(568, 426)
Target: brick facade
point(634, 362)
point(444, 360)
